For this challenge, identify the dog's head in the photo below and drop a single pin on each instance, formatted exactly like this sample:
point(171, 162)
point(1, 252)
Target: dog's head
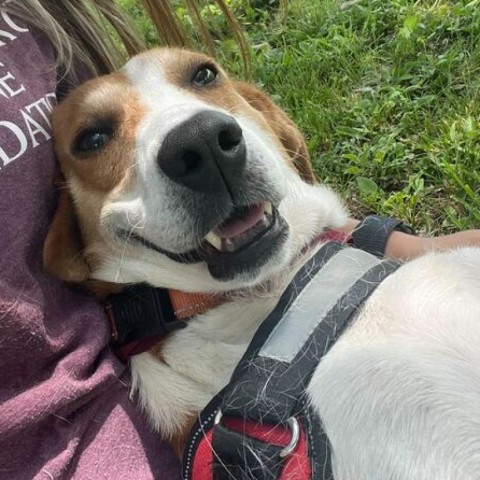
point(177, 176)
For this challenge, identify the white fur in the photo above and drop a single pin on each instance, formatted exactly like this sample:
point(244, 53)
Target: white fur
point(198, 363)
point(399, 393)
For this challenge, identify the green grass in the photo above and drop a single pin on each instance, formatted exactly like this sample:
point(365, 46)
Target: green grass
point(386, 92)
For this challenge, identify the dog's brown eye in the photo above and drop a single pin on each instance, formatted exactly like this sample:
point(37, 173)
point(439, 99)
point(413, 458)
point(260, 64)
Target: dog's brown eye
point(92, 140)
point(204, 76)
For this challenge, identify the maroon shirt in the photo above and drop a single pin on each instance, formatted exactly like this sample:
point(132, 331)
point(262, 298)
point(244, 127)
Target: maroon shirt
point(64, 406)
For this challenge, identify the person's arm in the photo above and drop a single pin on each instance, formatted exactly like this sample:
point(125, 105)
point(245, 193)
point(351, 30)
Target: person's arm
point(403, 246)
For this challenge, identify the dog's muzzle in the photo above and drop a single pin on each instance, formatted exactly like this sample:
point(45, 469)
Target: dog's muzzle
point(235, 212)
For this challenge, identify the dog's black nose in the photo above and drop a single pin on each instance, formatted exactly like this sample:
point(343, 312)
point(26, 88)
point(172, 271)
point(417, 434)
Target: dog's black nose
point(206, 153)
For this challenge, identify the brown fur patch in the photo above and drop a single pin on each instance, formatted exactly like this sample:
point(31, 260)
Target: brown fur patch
point(282, 127)
point(91, 177)
point(62, 251)
point(106, 102)
point(179, 441)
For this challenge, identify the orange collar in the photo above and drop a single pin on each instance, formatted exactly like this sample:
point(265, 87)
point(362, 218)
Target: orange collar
point(186, 305)
point(140, 316)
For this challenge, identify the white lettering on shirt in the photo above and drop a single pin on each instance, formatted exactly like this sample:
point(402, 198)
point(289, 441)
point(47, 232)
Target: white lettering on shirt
point(11, 23)
point(9, 127)
point(6, 34)
point(8, 89)
point(34, 129)
point(43, 108)
point(26, 126)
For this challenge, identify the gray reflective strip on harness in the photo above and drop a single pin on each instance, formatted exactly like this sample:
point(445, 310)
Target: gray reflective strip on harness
point(268, 385)
point(311, 306)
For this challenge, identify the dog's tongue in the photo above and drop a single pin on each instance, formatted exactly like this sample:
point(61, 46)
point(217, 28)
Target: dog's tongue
point(240, 221)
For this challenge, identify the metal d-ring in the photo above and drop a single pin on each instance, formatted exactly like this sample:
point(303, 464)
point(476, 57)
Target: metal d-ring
point(292, 423)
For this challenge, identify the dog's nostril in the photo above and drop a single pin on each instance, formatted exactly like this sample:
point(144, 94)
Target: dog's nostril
point(229, 139)
point(191, 162)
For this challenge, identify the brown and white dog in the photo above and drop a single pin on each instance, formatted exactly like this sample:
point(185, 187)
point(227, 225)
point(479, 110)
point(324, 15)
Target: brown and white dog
point(182, 178)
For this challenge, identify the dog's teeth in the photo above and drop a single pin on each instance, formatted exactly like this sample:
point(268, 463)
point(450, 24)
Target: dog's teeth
point(268, 208)
point(214, 240)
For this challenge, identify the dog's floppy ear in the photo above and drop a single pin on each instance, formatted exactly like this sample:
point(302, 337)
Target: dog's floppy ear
point(62, 250)
point(287, 132)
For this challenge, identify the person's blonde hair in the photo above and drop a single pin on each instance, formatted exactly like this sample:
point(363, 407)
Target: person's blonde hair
point(83, 31)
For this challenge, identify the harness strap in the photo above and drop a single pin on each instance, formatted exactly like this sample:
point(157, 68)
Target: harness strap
point(198, 451)
point(269, 384)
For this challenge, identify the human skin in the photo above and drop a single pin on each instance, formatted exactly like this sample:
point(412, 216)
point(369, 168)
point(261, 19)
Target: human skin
point(403, 246)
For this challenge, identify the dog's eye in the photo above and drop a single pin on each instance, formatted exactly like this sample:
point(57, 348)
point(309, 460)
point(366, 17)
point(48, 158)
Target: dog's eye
point(92, 140)
point(204, 76)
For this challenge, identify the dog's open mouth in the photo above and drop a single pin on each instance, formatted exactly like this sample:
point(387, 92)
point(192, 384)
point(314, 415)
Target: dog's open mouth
point(245, 241)
point(242, 227)
point(240, 244)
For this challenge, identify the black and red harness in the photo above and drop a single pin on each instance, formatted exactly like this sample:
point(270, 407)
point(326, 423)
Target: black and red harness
point(261, 426)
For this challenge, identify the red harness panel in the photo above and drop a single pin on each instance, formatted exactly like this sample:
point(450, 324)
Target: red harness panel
point(297, 465)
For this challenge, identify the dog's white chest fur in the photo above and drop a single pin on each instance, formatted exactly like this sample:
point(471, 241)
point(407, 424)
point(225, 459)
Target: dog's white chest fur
point(197, 363)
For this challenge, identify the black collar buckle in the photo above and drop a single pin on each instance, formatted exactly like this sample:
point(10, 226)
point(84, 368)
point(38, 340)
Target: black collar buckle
point(140, 311)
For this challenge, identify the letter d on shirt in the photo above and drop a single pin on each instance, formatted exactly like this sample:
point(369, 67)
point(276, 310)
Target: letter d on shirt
point(18, 142)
